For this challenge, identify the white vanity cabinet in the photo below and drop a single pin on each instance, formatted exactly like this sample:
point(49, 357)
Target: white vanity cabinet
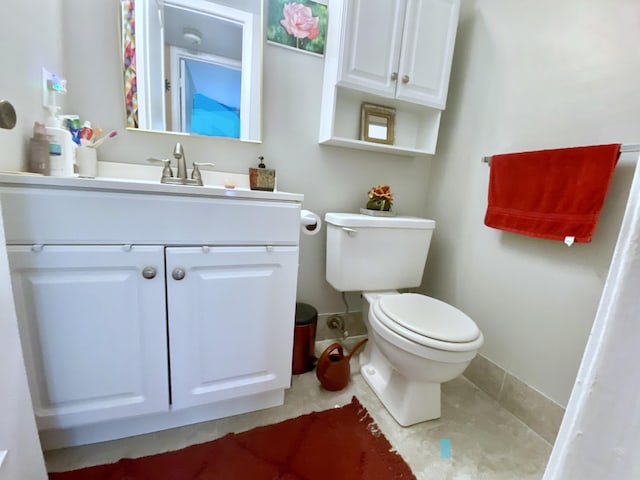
point(395, 53)
point(399, 48)
point(93, 331)
point(142, 309)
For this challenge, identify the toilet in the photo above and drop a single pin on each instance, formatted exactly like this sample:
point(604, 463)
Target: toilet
point(415, 342)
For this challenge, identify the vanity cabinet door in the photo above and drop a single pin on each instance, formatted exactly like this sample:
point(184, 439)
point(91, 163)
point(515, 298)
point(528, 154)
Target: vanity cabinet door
point(93, 330)
point(399, 49)
point(231, 319)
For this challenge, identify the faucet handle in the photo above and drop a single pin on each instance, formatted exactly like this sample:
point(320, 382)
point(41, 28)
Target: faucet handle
point(166, 171)
point(195, 173)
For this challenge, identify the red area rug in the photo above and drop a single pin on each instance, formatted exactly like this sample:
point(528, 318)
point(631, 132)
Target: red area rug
point(338, 444)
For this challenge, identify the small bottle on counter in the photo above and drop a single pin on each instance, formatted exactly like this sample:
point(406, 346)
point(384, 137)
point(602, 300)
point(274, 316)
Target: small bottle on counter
point(39, 151)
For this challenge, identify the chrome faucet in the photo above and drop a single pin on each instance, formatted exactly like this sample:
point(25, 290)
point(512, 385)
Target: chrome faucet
point(181, 175)
point(178, 153)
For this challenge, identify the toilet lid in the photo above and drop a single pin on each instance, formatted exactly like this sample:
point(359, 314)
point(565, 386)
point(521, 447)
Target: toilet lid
point(429, 317)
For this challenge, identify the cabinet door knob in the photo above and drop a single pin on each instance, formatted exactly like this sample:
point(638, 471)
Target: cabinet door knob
point(405, 79)
point(178, 274)
point(149, 272)
point(394, 76)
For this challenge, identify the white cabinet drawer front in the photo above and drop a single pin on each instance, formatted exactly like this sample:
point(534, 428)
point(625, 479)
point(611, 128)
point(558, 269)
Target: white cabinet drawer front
point(50, 216)
point(93, 331)
point(231, 321)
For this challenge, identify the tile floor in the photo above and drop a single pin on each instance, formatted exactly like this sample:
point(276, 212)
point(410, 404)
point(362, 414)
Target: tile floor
point(487, 442)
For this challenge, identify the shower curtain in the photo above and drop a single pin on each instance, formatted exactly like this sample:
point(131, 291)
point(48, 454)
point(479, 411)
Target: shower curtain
point(600, 434)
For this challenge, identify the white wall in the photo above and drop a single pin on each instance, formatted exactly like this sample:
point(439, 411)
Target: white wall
point(30, 38)
point(331, 179)
point(529, 75)
point(27, 43)
point(18, 433)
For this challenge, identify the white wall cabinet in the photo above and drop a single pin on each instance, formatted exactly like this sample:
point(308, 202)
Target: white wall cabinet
point(396, 53)
point(186, 320)
point(407, 56)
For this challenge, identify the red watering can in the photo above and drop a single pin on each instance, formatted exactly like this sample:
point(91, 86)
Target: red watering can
point(333, 368)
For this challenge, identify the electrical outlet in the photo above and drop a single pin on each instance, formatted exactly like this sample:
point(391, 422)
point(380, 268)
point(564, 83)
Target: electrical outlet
point(52, 85)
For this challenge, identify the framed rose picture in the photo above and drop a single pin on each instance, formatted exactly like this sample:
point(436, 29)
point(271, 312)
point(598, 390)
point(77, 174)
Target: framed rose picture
point(300, 25)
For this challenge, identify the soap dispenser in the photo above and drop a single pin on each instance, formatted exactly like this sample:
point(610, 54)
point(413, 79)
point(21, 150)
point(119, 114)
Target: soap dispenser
point(262, 178)
point(61, 146)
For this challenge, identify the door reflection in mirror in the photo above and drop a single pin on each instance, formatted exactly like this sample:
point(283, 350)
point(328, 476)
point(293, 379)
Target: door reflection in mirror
point(193, 66)
point(208, 102)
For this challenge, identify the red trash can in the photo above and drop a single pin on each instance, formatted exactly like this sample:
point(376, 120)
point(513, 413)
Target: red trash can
point(304, 338)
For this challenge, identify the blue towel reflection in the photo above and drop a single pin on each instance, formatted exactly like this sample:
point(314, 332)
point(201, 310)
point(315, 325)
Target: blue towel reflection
point(210, 117)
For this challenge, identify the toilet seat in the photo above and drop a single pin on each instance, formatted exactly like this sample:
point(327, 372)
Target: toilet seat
point(427, 321)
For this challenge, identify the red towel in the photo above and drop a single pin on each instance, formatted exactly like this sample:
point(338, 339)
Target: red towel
point(550, 194)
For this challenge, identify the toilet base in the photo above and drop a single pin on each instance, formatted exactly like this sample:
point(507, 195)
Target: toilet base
point(408, 401)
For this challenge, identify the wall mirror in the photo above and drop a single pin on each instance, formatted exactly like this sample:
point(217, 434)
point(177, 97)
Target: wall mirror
point(377, 124)
point(193, 66)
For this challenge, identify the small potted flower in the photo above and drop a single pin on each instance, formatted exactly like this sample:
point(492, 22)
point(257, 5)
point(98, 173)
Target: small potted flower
point(380, 198)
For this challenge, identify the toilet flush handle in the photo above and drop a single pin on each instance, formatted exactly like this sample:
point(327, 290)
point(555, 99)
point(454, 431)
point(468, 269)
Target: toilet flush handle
point(350, 231)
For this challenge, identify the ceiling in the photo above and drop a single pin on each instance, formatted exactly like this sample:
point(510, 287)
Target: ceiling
point(219, 36)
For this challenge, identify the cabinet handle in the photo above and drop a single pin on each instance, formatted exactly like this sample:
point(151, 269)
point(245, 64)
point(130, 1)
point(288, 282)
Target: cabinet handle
point(178, 274)
point(149, 272)
point(405, 79)
point(394, 76)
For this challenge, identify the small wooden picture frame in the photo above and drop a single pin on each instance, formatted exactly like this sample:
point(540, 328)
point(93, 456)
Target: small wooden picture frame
point(377, 124)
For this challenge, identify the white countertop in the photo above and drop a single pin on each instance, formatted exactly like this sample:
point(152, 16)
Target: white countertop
point(20, 179)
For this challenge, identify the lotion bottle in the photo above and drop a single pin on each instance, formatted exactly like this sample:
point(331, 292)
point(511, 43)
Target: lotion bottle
point(61, 146)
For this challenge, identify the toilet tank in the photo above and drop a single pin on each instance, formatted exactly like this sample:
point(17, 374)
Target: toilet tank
point(366, 253)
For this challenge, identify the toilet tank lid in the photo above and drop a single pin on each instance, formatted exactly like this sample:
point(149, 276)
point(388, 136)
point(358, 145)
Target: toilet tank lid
point(360, 220)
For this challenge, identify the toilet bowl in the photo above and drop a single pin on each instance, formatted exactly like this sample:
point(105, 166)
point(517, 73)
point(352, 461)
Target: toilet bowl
point(415, 344)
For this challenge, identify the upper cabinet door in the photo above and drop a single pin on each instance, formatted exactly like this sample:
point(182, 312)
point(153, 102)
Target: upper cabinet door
point(372, 38)
point(427, 50)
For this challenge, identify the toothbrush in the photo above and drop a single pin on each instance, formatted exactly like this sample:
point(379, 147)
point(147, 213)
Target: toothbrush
point(100, 141)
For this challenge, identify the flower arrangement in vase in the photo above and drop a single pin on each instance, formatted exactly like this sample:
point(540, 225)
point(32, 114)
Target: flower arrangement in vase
point(380, 199)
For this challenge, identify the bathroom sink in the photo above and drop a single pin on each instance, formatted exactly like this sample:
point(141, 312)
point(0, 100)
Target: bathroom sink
point(152, 174)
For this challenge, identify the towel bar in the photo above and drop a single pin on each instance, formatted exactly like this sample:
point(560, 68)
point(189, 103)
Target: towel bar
point(629, 147)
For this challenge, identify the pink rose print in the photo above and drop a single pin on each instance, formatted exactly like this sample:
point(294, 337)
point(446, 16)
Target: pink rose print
point(299, 22)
